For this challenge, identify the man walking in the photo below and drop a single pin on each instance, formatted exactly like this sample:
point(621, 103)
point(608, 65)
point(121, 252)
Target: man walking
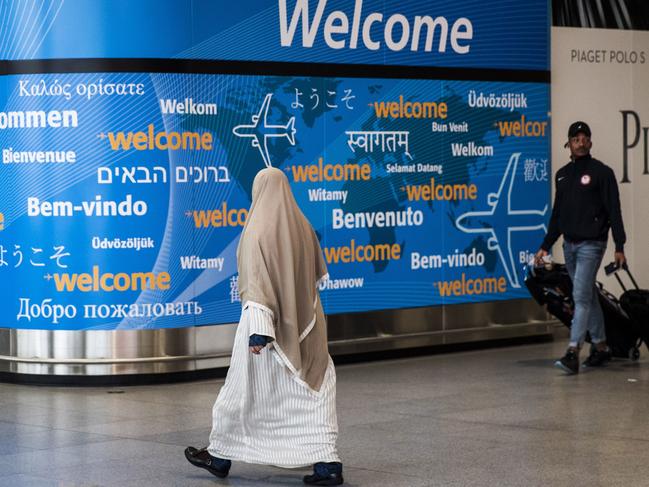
point(586, 206)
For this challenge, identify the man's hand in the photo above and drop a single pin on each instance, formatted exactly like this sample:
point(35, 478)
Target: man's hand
point(620, 259)
point(538, 257)
point(256, 349)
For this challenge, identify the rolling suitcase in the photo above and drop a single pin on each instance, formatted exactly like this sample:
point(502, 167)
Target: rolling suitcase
point(634, 301)
point(621, 336)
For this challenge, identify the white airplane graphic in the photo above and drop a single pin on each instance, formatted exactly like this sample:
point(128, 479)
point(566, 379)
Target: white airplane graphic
point(497, 222)
point(267, 130)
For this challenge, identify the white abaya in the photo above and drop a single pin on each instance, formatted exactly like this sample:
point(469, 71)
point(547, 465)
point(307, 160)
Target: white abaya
point(266, 414)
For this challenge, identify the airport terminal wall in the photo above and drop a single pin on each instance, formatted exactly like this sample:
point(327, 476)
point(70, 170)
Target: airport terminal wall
point(415, 136)
point(616, 106)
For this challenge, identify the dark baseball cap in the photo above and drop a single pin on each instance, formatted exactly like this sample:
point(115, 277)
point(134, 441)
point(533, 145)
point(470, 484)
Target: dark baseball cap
point(577, 127)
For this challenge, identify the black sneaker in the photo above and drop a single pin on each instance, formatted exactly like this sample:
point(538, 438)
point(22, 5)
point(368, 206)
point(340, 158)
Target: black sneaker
point(569, 362)
point(597, 358)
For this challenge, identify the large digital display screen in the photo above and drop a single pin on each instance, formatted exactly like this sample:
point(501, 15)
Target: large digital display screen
point(125, 192)
point(502, 34)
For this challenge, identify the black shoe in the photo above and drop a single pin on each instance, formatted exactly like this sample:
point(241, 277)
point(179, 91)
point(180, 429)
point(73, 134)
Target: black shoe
point(597, 358)
point(202, 458)
point(325, 474)
point(569, 362)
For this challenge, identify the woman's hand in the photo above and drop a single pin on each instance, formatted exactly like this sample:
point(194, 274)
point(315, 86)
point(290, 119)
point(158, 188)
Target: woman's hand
point(257, 342)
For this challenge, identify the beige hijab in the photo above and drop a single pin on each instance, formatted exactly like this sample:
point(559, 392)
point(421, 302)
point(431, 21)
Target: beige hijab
point(280, 260)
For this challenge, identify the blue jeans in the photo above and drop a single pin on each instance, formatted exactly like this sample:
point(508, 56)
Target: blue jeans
point(582, 261)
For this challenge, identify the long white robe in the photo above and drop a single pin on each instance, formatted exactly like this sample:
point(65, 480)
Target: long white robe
point(264, 413)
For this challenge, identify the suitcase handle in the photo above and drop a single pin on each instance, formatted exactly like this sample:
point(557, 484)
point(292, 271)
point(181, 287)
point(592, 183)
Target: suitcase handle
point(613, 268)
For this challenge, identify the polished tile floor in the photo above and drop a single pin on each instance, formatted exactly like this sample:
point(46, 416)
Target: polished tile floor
point(497, 417)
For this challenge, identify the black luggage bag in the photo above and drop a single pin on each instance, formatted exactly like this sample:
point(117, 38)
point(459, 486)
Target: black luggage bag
point(551, 287)
point(621, 335)
point(635, 302)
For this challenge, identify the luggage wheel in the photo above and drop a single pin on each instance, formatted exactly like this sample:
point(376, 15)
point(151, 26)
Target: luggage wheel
point(634, 353)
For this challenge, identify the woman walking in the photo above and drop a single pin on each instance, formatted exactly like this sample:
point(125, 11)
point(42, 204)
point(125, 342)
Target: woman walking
point(278, 403)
